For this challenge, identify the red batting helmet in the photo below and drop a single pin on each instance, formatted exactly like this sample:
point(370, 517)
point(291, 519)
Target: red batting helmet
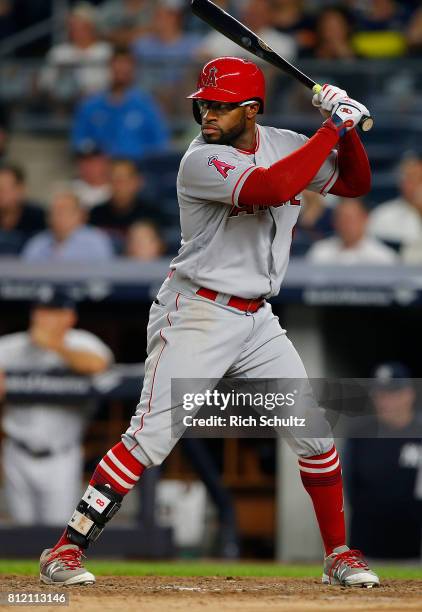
point(229, 79)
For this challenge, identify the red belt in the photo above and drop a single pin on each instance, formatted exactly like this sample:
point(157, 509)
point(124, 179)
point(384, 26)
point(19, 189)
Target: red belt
point(235, 302)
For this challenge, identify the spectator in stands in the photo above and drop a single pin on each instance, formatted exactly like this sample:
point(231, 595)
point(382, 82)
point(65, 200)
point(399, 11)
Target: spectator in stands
point(390, 443)
point(333, 35)
point(81, 65)
point(257, 16)
point(42, 456)
point(315, 221)
point(399, 221)
point(123, 21)
point(126, 205)
point(92, 184)
point(351, 245)
point(20, 218)
point(414, 34)
point(290, 17)
point(167, 52)
point(68, 238)
point(380, 29)
point(123, 122)
point(144, 241)
point(167, 41)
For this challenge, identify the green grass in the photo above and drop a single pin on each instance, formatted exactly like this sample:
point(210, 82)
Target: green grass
point(203, 568)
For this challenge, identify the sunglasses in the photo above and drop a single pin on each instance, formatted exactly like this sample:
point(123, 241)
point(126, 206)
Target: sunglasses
point(220, 108)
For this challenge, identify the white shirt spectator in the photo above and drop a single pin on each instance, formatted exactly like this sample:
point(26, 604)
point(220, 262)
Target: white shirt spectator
point(40, 425)
point(396, 221)
point(367, 251)
point(412, 254)
point(72, 71)
point(90, 195)
point(42, 490)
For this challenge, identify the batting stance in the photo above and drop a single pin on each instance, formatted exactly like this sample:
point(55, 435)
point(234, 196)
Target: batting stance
point(239, 190)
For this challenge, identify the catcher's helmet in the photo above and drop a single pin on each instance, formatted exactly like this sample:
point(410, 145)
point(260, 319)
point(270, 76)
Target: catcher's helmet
point(229, 79)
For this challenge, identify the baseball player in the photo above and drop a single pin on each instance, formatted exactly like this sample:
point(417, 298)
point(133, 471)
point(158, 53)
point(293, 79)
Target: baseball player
point(42, 440)
point(239, 190)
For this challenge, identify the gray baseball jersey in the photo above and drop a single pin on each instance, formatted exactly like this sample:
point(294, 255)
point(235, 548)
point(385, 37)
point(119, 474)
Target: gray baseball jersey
point(233, 249)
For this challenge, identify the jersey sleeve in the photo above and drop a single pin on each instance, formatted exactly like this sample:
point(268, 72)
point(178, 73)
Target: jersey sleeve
point(6, 348)
point(81, 340)
point(327, 174)
point(214, 174)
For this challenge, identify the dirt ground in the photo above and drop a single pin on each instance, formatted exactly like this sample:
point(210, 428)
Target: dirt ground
point(152, 594)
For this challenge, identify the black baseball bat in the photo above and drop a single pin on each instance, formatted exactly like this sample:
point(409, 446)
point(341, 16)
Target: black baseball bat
point(236, 31)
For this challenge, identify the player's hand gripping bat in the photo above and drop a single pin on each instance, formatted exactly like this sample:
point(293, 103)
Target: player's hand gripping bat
point(248, 40)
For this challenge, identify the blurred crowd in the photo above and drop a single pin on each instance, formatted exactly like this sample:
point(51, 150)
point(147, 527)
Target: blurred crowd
point(165, 38)
point(76, 226)
point(121, 69)
point(319, 28)
point(107, 211)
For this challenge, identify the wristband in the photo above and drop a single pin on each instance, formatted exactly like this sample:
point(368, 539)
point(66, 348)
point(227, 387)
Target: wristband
point(335, 122)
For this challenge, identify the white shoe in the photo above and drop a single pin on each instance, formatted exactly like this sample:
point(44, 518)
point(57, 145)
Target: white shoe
point(64, 566)
point(348, 568)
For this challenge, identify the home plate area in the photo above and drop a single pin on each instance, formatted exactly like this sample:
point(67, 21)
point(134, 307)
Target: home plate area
point(155, 594)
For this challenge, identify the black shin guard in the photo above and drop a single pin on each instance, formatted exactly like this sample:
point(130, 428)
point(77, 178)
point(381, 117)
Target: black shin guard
point(98, 505)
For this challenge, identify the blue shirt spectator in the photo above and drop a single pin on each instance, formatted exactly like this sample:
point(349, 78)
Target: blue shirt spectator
point(68, 239)
point(167, 47)
point(123, 122)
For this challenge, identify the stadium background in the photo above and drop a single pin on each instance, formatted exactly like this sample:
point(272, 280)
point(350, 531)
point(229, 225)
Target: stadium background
point(343, 322)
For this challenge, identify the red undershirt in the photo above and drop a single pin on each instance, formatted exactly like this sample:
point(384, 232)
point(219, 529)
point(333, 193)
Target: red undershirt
point(289, 176)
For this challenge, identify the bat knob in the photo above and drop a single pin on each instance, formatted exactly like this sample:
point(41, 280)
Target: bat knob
point(366, 123)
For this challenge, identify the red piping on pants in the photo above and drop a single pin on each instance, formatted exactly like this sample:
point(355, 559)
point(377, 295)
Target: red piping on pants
point(153, 377)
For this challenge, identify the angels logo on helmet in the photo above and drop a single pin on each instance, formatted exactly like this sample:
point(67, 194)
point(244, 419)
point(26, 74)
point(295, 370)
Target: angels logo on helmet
point(210, 80)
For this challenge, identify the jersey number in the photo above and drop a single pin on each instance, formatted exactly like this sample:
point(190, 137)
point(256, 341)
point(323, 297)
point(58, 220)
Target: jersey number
point(253, 210)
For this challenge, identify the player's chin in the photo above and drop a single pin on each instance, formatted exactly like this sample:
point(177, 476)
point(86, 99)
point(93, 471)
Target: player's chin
point(213, 137)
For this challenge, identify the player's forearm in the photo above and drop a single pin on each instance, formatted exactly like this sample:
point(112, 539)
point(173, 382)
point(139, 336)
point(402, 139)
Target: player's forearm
point(83, 362)
point(286, 178)
point(354, 169)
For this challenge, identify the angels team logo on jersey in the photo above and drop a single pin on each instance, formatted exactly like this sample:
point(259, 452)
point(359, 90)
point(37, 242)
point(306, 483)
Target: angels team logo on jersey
point(211, 79)
point(221, 166)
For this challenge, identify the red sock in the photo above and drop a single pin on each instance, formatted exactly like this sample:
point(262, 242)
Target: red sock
point(321, 477)
point(119, 469)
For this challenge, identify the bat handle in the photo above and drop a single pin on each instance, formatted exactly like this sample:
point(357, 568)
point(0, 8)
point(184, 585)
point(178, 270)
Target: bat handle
point(366, 123)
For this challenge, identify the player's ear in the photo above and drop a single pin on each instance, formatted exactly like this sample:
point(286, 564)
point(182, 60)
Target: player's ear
point(252, 110)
